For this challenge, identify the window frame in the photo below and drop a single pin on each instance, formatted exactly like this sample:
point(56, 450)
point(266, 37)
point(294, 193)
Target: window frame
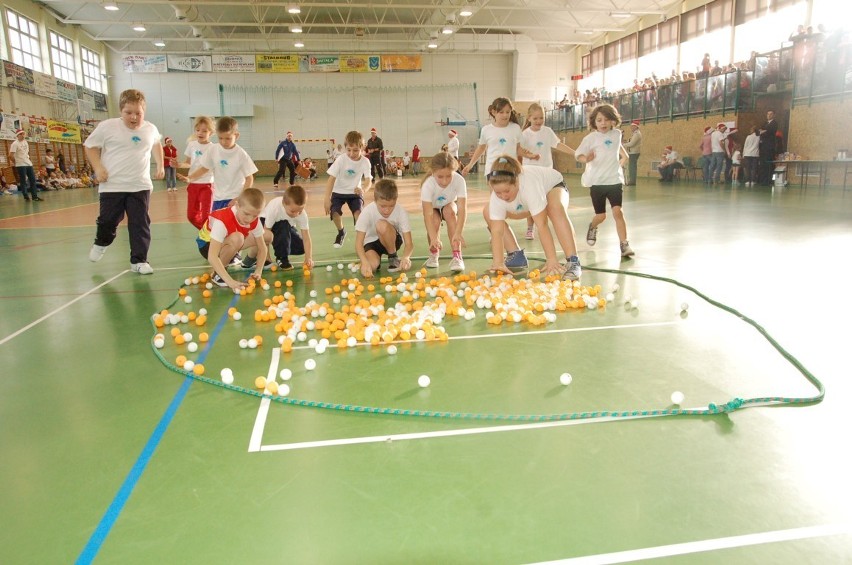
point(67, 73)
point(24, 44)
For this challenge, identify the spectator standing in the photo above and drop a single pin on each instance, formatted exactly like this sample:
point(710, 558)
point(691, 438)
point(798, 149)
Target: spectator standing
point(767, 149)
point(634, 148)
point(60, 162)
point(375, 149)
point(170, 156)
point(453, 143)
point(415, 160)
point(19, 157)
point(719, 153)
point(706, 147)
point(287, 156)
point(751, 153)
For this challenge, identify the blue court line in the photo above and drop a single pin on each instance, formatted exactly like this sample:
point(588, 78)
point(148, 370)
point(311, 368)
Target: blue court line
point(105, 525)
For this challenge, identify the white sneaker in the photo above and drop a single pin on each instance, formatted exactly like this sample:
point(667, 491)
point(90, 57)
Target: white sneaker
point(457, 264)
point(141, 268)
point(530, 233)
point(432, 261)
point(96, 252)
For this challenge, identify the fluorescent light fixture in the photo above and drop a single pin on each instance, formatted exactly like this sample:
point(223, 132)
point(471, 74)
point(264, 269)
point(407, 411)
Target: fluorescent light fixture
point(138, 27)
point(296, 28)
point(585, 32)
point(159, 43)
point(111, 6)
point(432, 45)
point(447, 30)
point(465, 11)
point(293, 9)
point(298, 45)
point(621, 14)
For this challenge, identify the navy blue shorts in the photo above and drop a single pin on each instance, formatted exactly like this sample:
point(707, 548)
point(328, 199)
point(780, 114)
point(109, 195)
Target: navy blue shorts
point(354, 202)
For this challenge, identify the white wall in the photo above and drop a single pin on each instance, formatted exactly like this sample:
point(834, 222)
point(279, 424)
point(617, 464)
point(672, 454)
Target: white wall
point(403, 107)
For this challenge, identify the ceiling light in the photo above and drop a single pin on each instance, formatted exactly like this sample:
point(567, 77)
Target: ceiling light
point(585, 32)
point(138, 27)
point(298, 45)
point(295, 28)
point(432, 45)
point(620, 14)
point(159, 43)
point(465, 11)
point(293, 9)
point(111, 6)
point(446, 30)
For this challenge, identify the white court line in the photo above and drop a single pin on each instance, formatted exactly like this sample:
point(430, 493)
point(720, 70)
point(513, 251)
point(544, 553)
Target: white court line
point(260, 420)
point(707, 545)
point(442, 433)
point(61, 308)
point(525, 333)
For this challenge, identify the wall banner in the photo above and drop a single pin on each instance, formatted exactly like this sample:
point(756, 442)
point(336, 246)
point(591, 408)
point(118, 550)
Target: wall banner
point(63, 132)
point(234, 64)
point(190, 63)
point(277, 63)
point(144, 64)
point(359, 63)
point(401, 64)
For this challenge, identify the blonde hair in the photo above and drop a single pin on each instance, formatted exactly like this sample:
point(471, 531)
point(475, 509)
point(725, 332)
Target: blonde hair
point(441, 160)
point(251, 197)
point(131, 96)
point(206, 120)
point(534, 107)
point(354, 138)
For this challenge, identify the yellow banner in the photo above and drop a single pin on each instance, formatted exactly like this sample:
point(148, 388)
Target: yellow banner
point(277, 63)
point(63, 132)
point(401, 63)
point(359, 63)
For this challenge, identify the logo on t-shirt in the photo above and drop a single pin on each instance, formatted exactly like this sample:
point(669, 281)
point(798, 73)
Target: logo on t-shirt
point(223, 163)
point(350, 172)
point(539, 144)
point(136, 139)
point(502, 141)
point(198, 153)
point(608, 142)
point(441, 199)
point(519, 207)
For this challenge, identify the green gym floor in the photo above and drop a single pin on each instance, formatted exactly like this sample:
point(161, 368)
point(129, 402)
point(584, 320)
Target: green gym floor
point(110, 456)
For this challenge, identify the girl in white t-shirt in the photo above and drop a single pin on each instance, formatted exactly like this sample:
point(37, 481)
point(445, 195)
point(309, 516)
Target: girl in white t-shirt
point(537, 192)
point(604, 157)
point(443, 195)
point(503, 137)
point(199, 193)
point(539, 138)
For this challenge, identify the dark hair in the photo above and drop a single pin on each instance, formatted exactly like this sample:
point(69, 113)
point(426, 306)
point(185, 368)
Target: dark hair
point(504, 169)
point(354, 138)
point(609, 112)
point(499, 104)
point(226, 124)
point(385, 189)
point(295, 194)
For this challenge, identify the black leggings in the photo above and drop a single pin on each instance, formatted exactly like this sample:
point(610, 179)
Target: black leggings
point(284, 165)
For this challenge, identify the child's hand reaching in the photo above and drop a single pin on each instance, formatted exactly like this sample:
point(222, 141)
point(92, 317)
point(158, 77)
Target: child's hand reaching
point(366, 271)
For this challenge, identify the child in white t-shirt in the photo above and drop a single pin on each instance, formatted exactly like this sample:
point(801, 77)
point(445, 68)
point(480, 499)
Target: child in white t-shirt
point(382, 228)
point(285, 219)
point(604, 157)
point(346, 183)
point(443, 196)
point(199, 194)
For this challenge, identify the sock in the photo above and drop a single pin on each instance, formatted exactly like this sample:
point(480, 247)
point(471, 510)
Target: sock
point(456, 253)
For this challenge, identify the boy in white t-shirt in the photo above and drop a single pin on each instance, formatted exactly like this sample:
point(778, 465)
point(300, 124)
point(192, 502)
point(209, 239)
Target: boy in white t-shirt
point(381, 229)
point(231, 166)
point(286, 224)
point(346, 183)
point(119, 150)
point(604, 157)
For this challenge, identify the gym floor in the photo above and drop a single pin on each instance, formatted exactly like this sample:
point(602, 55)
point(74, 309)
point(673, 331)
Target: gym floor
point(109, 455)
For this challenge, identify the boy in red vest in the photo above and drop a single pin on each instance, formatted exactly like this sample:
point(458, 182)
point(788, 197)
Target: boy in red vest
point(231, 229)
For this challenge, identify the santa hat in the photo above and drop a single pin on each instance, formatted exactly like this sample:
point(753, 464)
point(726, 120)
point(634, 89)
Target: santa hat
point(721, 125)
point(372, 130)
point(168, 139)
point(635, 123)
point(19, 131)
point(669, 147)
point(454, 132)
point(708, 128)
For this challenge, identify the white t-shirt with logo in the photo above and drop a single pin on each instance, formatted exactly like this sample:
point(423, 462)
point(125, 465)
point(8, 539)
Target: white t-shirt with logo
point(230, 168)
point(605, 169)
point(275, 212)
point(432, 192)
point(541, 142)
point(348, 173)
point(370, 216)
point(125, 154)
point(195, 151)
point(533, 186)
point(499, 141)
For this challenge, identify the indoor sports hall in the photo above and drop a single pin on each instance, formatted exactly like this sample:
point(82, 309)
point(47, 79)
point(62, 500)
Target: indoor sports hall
point(684, 405)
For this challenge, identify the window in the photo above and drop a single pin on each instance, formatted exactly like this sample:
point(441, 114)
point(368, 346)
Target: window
point(92, 78)
point(24, 42)
point(62, 57)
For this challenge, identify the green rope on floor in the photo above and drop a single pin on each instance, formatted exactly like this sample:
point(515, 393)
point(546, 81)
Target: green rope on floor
point(712, 408)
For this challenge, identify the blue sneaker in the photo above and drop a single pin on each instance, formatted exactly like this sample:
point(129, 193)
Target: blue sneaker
point(573, 269)
point(516, 259)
